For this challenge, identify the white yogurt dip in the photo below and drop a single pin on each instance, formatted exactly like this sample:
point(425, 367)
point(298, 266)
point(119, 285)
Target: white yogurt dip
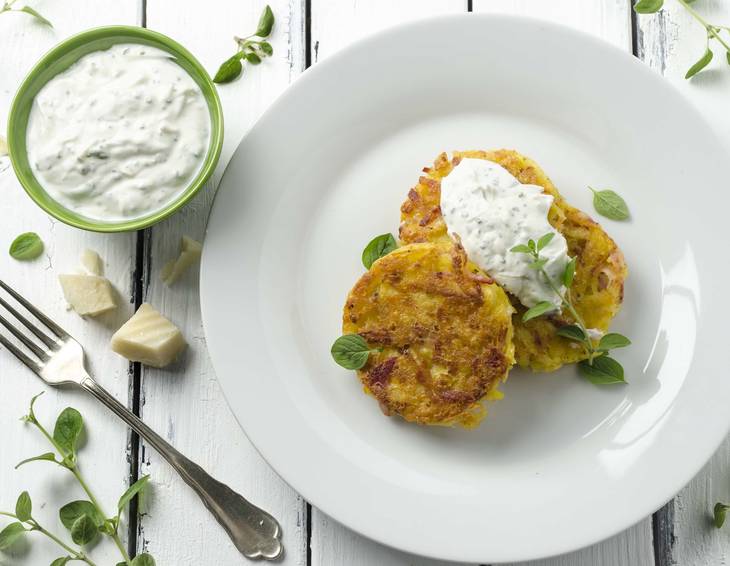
point(119, 134)
point(492, 212)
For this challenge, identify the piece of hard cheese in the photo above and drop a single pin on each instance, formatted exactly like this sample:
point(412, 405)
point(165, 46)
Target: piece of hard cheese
point(149, 338)
point(190, 252)
point(91, 263)
point(88, 295)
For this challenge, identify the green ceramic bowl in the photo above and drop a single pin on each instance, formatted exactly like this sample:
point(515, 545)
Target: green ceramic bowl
point(61, 58)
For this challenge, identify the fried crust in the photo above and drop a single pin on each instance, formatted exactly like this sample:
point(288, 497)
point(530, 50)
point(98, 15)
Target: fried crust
point(597, 289)
point(443, 330)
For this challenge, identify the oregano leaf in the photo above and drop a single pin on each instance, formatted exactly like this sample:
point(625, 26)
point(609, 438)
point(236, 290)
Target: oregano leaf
point(603, 371)
point(648, 6)
point(538, 310)
point(133, 490)
point(572, 332)
point(351, 351)
point(24, 507)
point(11, 534)
point(378, 247)
point(699, 65)
point(68, 429)
point(608, 203)
point(612, 341)
point(84, 530)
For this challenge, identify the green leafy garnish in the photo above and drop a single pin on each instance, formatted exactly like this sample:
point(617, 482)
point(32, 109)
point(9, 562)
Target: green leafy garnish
point(648, 6)
point(378, 247)
point(351, 351)
point(11, 534)
point(719, 512)
point(67, 431)
point(26, 247)
point(700, 64)
point(609, 204)
point(143, 559)
point(251, 49)
point(598, 367)
point(23, 507)
point(8, 7)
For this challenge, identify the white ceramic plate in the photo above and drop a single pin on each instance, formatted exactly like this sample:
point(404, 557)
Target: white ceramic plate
point(559, 463)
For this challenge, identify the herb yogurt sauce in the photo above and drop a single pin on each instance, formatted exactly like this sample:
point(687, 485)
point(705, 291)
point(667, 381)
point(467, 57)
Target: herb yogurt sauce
point(119, 134)
point(492, 212)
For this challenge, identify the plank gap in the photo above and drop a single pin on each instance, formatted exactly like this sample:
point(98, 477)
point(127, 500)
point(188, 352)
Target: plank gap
point(634, 30)
point(663, 538)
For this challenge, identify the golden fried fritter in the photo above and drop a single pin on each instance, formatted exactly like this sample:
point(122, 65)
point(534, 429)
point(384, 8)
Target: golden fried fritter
point(597, 289)
point(444, 332)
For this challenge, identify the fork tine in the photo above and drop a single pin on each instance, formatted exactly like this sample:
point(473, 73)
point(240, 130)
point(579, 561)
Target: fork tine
point(35, 366)
point(32, 346)
point(28, 324)
point(57, 330)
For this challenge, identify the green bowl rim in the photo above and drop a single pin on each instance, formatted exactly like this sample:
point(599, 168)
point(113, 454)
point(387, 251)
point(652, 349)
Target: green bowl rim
point(211, 159)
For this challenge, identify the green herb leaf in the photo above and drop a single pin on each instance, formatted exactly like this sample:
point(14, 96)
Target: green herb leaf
point(71, 512)
point(609, 204)
point(719, 512)
point(230, 70)
point(538, 263)
point(521, 249)
point(531, 245)
point(143, 559)
point(133, 490)
point(24, 507)
point(266, 22)
point(545, 240)
point(49, 456)
point(265, 46)
point(572, 332)
point(648, 6)
point(84, 530)
point(612, 341)
point(603, 371)
point(68, 429)
point(36, 15)
point(538, 310)
point(61, 561)
point(378, 247)
point(10, 535)
point(252, 58)
point(26, 247)
point(699, 65)
point(727, 54)
point(351, 351)
point(569, 272)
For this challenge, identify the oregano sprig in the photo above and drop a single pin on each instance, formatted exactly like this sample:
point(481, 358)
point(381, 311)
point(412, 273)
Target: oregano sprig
point(251, 49)
point(714, 32)
point(598, 368)
point(8, 7)
point(84, 519)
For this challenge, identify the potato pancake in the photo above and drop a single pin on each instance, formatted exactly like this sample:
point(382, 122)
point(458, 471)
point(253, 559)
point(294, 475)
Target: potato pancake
point(443, 330)
point(597, 289)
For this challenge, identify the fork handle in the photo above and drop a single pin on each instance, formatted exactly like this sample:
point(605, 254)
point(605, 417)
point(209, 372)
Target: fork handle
point(255, 533)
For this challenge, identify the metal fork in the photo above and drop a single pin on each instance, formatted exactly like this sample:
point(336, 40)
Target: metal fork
point(58, 359)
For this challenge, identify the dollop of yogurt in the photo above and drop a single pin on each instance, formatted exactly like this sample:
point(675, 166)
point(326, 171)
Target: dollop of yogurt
point(492, 212)
point(119, 134)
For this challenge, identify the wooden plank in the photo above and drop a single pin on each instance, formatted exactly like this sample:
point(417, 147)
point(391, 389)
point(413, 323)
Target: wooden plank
point(185, 404)
point(104, 457)
point(670, 42)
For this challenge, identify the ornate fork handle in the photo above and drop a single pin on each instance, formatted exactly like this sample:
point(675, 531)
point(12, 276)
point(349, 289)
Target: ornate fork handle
point(255, 533)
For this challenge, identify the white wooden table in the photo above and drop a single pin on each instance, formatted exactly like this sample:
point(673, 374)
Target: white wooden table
point(185, 404)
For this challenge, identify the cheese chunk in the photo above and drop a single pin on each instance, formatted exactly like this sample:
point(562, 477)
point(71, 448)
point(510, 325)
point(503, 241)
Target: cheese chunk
point(190, 252)
point(149, 338)
point(91, 263)
point(88, 295)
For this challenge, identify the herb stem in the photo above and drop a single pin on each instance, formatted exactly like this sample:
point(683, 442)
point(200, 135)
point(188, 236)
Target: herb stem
point(711, 30)
point(76, 554)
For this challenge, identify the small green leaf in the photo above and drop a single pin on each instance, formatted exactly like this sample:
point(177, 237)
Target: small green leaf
point(143, 559)
point(10, 535)
point(603, 371)
point(61, 561)
point(545, 240)
point(572, 332)
point(612, 341)
point(569, 272)
point(265, 46)
point(24, 507)
point(266, 22)
point(531, 245)
point(49, 456)
point(538, 310)
point(699, 65)
point(26, 247)
point(609, 204)
point(133, 490)
point(71, 512)
point(521, 249)
point(719, 512)
point(84, 530)
point(351, 351)
point(230, 70)
point(36, 15)
point(727, 55)
point(537, 264)
point(378, 247)
point(648, 6)
point(252, 58)
point(68, 429)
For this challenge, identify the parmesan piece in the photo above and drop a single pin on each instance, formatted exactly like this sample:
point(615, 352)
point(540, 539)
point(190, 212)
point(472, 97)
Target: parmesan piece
point(149, 338)
point(91, 263)
point(190, 252)
point(88, 295)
